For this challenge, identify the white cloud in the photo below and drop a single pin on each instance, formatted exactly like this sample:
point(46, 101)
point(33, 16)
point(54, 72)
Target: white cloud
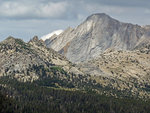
point(51, 9)
point(107, 8)
point(13, 9)
point(16, 10)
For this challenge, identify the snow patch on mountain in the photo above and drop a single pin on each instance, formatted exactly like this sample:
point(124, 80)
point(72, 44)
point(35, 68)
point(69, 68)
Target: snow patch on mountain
point(57, 32)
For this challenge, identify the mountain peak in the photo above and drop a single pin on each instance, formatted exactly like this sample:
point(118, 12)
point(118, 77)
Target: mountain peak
point(96, 34)
point(10, 38)
point(98, 16)
point(36, 42)
point(35, 38)
point(12, 41)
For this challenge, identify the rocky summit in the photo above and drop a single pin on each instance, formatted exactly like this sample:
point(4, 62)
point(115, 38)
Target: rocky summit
point(32, 60)
point(96, 34)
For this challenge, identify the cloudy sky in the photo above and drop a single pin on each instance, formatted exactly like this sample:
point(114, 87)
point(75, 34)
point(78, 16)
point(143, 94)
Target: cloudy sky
point(26, 18)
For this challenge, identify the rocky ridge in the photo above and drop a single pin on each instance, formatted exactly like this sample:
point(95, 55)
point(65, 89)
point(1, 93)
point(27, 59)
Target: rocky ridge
point(29, 61)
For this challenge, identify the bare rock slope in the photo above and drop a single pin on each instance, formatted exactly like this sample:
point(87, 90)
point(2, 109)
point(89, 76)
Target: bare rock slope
point(96, 34)
point(29, 61)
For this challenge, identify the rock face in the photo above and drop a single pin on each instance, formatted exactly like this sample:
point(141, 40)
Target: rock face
point(96, 34)
point(29, 61)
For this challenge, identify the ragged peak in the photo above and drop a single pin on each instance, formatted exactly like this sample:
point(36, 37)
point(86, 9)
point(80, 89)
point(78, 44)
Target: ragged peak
point(35, 38)
point(35, 41)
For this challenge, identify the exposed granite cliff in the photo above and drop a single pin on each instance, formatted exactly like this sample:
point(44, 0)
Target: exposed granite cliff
point(96, 34)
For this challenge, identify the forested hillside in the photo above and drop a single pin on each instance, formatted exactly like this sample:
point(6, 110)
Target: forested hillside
point(38, 98)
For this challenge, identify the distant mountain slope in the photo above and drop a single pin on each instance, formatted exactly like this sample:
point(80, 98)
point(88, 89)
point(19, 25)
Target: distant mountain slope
point(128, 70)
point(96, 34)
